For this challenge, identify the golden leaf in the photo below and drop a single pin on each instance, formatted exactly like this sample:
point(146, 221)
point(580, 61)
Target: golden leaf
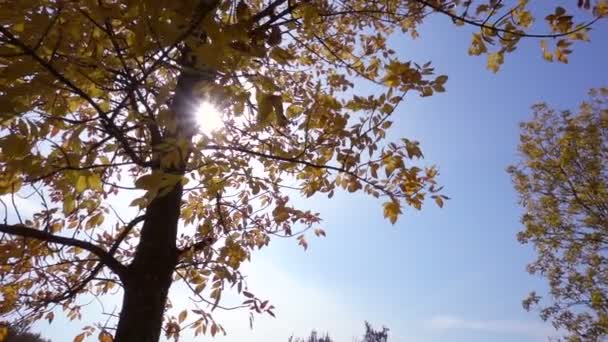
point(392, 210)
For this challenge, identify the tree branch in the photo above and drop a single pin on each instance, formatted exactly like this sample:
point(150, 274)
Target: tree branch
point(298, 161)
point(106, 258)
point(444, 11)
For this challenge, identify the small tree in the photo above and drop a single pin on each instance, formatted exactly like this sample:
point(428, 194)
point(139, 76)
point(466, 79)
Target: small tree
point(372, 335)
point(562, 180)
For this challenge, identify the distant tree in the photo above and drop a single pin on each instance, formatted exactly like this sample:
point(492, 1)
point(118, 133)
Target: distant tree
point(314, 337)
point(372, 335)
point(562, 180)
point(9, 333)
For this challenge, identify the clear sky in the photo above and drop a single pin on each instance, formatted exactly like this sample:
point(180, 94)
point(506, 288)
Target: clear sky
point(455, 274)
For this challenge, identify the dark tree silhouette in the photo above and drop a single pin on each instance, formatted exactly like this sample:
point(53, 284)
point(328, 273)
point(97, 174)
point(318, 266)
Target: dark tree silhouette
point(372, 335)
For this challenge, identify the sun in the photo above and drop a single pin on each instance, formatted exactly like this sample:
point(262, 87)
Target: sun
point(208, 117)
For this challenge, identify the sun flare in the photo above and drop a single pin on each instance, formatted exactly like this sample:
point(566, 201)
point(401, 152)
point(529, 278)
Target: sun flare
point(208, 117)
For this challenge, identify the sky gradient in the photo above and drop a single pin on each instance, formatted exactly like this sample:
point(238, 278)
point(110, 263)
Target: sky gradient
point(455, 274)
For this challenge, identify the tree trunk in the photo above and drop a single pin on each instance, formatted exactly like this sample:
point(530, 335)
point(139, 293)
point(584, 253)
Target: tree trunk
point(150, 274)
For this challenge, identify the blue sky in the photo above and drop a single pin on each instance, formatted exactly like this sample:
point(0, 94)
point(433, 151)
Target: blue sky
point(454, 274)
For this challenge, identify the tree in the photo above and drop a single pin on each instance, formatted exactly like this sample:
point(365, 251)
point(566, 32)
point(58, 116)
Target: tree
point(372, 335)
point(10, 333)
point(562, 180)
point(98, 100)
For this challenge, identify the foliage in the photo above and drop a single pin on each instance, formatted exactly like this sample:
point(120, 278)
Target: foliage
point(10, 333)
point(562, 180)
point(97, 100)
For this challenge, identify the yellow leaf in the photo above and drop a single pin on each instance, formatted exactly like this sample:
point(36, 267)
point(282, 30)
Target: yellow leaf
point(139, 202)
point(392, 211)
point(79, 338)
point(14, 145)
point(441, 79)
point(149, 181)
point(282, 56)
point(601, 8)
point(104, 336)
point(69, 204)
point(477, 45)
point(280, 214)
point(495, 60)
point(3, 333)
point(19, 27)
point(562, 55)
point(392, 163)
point(525, 18)
point(94, 182)
point(302, 242)
point(199, 288)
point(547, 55)
point(182, 316)
point(439, 201)
point(74, 104)
point(81, 183)
point(427, 91)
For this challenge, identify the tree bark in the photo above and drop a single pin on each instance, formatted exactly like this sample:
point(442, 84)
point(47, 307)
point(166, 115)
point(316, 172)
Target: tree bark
point(150, 274)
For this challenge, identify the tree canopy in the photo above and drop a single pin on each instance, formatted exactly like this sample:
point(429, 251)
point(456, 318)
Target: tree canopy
point(98, 99)
point(562, 180)
point(11, 333)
